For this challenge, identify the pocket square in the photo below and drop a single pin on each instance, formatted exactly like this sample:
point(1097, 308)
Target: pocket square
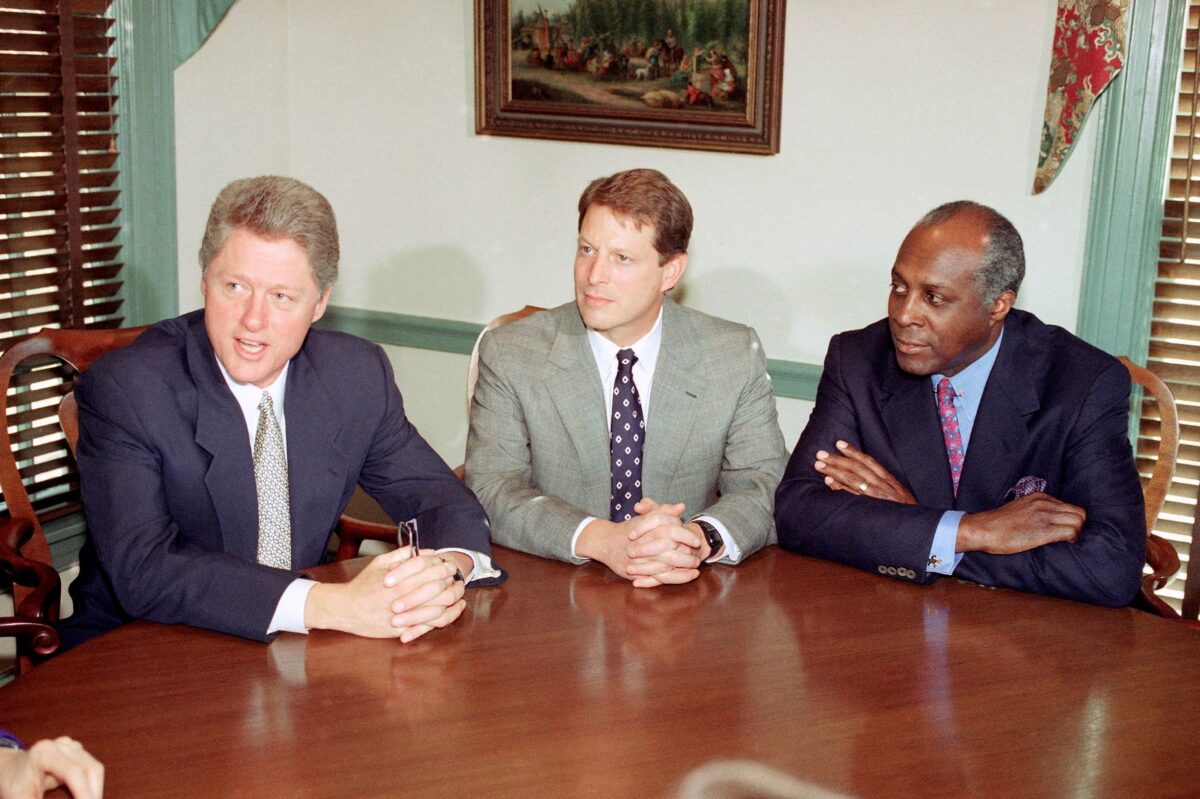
point(1027, 485)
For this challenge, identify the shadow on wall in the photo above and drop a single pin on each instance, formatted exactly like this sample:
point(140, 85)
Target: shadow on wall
point(442, 282)
point(740, 295)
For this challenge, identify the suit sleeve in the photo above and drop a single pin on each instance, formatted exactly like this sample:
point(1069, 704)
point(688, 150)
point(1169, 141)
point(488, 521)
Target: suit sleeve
point(409, 480)
point(1104, 565)
point(872, 534)
point(500, 471)
point(753, 461)
point(154, 574)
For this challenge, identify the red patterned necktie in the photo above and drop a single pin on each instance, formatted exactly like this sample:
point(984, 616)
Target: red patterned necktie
point(950, 431)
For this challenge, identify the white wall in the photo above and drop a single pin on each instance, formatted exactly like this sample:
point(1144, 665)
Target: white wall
point(887, 111)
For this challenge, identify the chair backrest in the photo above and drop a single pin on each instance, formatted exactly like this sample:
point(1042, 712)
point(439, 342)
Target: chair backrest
point(1160, 554)
point(473, 369)
point(78, 349)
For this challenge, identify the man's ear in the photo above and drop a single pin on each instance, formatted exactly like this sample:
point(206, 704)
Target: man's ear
point(319, 311)
point(1001, 306)
point(673, 270)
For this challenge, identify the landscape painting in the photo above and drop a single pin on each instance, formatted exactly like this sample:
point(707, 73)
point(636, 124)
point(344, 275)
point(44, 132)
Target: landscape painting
point(698, 74)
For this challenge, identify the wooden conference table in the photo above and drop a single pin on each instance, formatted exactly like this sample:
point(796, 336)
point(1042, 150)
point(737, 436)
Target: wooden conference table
point(568, 682)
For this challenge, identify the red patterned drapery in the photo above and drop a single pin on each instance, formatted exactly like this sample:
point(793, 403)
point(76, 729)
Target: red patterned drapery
point(1089, 51)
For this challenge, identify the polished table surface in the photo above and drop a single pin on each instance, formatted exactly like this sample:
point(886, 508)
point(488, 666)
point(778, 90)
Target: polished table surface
point(568, 682)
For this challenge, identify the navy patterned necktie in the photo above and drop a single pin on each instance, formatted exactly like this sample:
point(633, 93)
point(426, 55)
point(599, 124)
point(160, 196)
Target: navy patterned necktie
point(626, 436)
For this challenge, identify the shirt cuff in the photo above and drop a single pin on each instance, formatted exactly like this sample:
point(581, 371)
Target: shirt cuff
point(732, 553)
point(942, 557)
point(289, 613)
point(575, 539)
point(483, 567)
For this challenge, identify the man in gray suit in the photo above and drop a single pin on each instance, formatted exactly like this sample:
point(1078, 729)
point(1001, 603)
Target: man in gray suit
point(622, 427)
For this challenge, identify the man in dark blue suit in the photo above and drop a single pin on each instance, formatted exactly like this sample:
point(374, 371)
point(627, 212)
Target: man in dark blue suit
point(962, 436)
point(217, 452)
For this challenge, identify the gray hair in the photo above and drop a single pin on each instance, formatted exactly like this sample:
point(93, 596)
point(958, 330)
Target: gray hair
point(1002, 267)
point(276, 208)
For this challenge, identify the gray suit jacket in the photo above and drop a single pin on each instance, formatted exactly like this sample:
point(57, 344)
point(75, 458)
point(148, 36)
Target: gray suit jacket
point(538, 452)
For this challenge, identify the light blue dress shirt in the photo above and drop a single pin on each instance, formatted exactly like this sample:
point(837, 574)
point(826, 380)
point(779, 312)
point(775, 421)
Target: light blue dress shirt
point(968, 388)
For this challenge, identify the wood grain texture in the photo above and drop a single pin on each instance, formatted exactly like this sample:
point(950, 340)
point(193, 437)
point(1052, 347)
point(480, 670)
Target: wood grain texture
point(566, 681)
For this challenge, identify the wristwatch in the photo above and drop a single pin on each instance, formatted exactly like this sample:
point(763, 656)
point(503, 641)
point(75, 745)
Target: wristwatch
point(9, 741)
point(712, 536)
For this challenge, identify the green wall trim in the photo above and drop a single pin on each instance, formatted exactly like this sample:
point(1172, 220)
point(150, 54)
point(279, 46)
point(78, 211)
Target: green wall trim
point(789, 379)
point(146, 140)
point(1121, 253)
point(403, 330)
point(65, 537)
point(794, 379)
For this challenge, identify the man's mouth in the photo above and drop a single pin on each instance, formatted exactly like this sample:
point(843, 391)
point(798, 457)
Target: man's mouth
point(908, 347)
point(251, 347)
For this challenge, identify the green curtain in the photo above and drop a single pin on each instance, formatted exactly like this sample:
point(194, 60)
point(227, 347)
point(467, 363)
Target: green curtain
point(192, 21)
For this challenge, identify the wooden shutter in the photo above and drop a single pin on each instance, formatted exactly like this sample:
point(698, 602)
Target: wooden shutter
point(59, 254)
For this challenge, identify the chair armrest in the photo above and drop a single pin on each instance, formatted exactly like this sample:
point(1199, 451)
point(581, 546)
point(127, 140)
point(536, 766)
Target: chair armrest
point(1164, 563)
point(352, 532)
point(34, 618)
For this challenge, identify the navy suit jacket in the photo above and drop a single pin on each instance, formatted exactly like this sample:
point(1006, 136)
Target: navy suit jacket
point(1054, 407)
point(168, 481)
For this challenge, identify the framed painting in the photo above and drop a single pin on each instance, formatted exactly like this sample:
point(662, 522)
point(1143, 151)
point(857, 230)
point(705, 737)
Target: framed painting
point(694, 74)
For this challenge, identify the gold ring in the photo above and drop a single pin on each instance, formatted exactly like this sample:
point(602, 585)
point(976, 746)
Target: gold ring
point(863, 486)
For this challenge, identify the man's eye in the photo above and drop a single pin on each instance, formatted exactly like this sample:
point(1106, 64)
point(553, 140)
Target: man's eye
point(623, 258)
point(935, 299)
point(899, 289)
point(586, 250)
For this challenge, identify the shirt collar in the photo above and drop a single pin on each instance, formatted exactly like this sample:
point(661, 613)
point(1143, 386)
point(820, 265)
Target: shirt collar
point(646, 348)
point(249, 395)
point(970, 382)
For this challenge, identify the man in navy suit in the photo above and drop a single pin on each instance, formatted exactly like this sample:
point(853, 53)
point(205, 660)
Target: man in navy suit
point(962, 436)
point(217, 452)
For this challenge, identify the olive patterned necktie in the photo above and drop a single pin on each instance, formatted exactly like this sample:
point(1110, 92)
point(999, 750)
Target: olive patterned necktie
point(271, 480)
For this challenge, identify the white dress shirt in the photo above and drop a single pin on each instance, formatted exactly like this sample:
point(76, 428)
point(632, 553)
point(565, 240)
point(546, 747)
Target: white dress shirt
point(289, 613)
point(646, 349)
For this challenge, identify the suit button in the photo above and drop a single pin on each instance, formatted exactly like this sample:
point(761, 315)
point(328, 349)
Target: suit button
point(891, 570)
point(883, 569)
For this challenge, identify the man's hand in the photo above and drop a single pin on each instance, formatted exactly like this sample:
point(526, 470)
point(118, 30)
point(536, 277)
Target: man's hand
point(650, 549)
point(1025, 523)
point(859, 473)
point(47, 765)
point(395, 596)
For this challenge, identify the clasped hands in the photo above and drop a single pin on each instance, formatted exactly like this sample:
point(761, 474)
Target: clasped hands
point(47, 765)
point(1025, 523)
point(651, 549)
point(397, 595)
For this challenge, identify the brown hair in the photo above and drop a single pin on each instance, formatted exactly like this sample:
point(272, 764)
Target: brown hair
point(276, 208)
point(649, 198)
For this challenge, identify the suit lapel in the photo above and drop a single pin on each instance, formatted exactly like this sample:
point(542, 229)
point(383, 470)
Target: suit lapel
point(221, 432)
point(675, 400)
point(317, 465)
point(573, 385)
point(909, 412)
point(1001, 432)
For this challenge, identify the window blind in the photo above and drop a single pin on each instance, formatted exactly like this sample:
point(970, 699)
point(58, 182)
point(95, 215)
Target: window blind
point(59, 211)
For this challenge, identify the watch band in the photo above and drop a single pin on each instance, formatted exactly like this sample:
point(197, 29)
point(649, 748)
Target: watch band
point(9, 741)
point(712, 536)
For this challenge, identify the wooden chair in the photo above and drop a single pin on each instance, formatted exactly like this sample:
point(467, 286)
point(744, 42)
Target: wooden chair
point(1160, 554)
point(352, 532)
point(24, 551)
